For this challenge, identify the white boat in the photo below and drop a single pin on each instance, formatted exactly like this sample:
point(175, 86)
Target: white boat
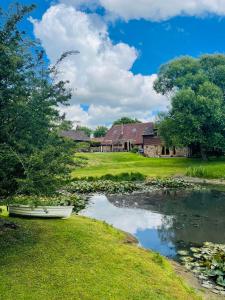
point(41, 211)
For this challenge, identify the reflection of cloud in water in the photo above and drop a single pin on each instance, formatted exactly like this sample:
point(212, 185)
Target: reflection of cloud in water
point(128, 219)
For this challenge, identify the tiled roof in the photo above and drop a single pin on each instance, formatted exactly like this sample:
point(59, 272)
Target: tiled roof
point(128, 132)
point(76, 135)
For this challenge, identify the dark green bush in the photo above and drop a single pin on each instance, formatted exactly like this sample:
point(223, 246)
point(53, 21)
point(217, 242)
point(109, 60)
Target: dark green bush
point(136, 176)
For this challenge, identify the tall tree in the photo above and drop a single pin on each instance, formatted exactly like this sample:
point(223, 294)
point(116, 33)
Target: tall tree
point(126, 120)
point(85, 129)
point(197, 92)
point(33, 158)
point(100, 131)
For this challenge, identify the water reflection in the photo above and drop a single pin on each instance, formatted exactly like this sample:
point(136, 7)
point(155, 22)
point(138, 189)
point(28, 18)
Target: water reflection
point(165, 222)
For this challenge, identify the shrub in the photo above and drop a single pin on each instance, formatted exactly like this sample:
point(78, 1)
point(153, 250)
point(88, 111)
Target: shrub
point(135, 149)
point(133, 176)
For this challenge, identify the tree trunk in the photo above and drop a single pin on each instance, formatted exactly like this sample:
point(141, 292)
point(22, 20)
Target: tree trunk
point(203, 153)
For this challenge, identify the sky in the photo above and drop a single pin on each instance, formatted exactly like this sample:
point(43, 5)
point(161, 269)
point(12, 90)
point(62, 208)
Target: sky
point(122, 44)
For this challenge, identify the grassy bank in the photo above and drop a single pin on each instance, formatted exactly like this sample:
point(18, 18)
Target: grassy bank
point(81, 258)
point(100, 164)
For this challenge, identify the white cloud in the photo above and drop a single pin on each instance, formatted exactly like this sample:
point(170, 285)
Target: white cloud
point(101, 74)
point(127, 219)
point(156, 10)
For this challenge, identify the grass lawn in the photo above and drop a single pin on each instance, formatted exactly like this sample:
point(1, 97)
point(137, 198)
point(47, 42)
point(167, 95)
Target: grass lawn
point(115, 163)
point(80, 258)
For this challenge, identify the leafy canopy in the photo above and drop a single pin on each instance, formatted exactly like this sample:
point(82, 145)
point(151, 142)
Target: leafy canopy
point(126, 120)
point(86, 130)
point(197, 91)
point(100, 131)
point(33, 158)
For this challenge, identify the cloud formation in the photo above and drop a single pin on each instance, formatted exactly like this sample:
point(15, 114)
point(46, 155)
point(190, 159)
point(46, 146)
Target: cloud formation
point(100, 75)
point(155, 10)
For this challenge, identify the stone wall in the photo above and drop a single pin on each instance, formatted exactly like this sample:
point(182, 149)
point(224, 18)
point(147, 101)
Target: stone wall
point(158, 151)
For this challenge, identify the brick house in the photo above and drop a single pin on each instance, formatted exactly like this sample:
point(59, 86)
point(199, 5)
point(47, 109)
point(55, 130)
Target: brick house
point(141, 135)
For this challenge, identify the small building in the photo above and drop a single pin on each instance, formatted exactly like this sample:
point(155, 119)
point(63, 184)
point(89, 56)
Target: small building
point(141, 135)
point(76, 135)
point(154, 146)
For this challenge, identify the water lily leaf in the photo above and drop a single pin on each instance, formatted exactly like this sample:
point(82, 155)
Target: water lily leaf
point(183, 252)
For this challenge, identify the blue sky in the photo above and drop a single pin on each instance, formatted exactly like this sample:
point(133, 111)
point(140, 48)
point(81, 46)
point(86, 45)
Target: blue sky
point(137, 40)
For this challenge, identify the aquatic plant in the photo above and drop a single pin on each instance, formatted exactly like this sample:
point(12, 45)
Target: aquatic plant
point(208, 264)
point(104, 186)
point(169, 183)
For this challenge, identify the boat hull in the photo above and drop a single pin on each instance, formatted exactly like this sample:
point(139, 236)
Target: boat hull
point(41, 211)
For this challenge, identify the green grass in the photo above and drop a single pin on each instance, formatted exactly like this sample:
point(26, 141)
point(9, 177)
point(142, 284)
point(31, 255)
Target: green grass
point(83, 259)
point(100, 164)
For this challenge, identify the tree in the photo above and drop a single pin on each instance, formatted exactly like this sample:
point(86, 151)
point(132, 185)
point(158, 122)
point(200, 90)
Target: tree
point(86, 130)
point(33, 158)
point(126, 120)
point(197, 91)
point(100, 131)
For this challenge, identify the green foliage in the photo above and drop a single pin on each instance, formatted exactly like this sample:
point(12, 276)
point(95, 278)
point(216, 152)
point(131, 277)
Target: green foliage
point(103, 186)
point(208, 262)
point(33, 158)
point(82, 147)
point(133, 176)
point(197, 115)
point(86, 130)
point(200, 172)
point(80, 161)
point(59, 199)
point(135, 149)
point(100, 131)
point(126, 120)
point(169, 183)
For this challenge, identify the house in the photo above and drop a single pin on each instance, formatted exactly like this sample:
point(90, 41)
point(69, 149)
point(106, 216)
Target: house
point(125, 137)
point(76, 135)
point(141, 135)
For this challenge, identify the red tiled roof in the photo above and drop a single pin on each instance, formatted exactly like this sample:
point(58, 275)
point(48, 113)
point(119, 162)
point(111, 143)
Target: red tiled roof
point(127, 132)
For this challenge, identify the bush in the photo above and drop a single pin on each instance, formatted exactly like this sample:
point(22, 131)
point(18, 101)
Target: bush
point(135, 149)
point(133, 176)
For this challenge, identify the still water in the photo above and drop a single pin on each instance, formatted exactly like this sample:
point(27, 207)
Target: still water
point(165, 221)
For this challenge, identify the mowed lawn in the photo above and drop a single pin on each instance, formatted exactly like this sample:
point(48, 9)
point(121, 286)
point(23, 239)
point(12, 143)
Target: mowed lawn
point(115, 163)
point(81, 259)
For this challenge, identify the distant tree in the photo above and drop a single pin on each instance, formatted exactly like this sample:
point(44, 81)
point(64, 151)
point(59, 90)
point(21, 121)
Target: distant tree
point(197, 91)
point(100, 131)
point(33, 158)
point(86, 130)
point(126, 120)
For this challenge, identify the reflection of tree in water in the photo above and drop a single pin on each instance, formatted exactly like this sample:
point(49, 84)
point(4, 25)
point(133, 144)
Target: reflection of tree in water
point(188, 217)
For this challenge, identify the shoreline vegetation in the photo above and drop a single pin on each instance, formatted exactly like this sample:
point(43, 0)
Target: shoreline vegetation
point(94, 260)
point(112, 164)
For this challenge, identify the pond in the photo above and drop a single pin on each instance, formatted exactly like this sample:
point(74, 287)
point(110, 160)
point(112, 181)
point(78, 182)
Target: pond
point(165, 221)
